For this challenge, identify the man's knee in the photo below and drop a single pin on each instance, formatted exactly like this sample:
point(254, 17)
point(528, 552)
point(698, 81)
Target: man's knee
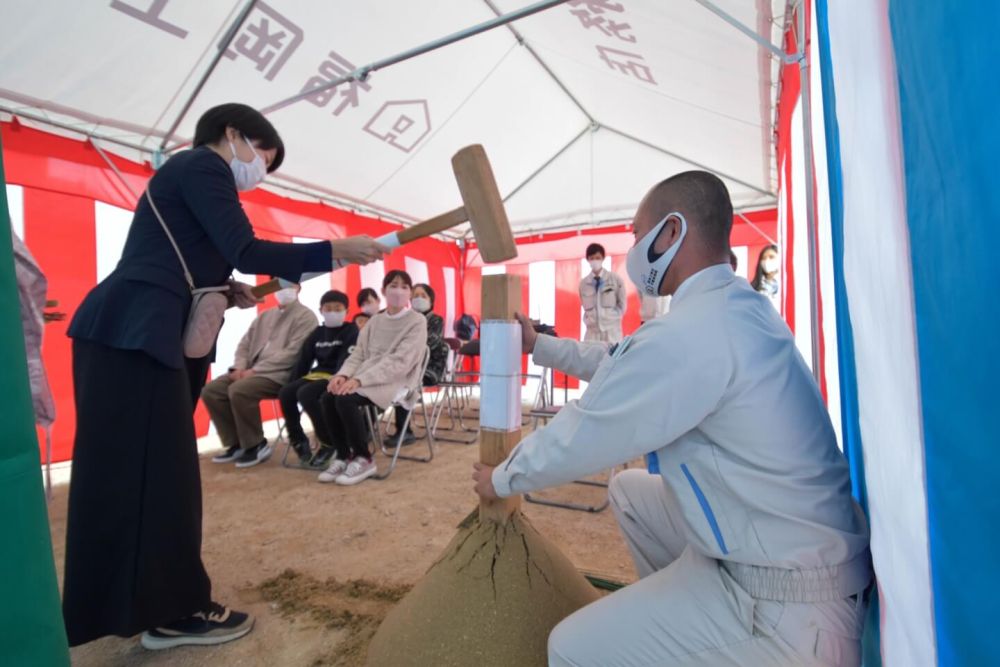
point(215, 391)
point(244, 392)
point(563, 645)
point(621, 483)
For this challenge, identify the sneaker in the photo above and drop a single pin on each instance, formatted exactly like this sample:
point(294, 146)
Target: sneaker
point(322, 456)
point(228, 456)
point(408, 439)
point(254, 455)
point(336, 469)
point(216, 625)
point(302, 450)
point(358, 470)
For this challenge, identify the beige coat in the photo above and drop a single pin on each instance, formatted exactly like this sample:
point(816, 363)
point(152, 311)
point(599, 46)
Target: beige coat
point(271, 346)
point(388, 356)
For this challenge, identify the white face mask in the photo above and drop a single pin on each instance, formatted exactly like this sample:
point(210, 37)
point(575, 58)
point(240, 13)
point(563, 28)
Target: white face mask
point(334, 318)
point(397, 297)
point(421, 304)
point(770, 265)
point(286, 296)
point(596, 264)
point(644, 267)
point(370, 309)
point(248, 175)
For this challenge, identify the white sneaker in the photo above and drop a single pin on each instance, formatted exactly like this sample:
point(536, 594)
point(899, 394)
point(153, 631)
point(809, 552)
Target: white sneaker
point(333, 471)
point(358, 470)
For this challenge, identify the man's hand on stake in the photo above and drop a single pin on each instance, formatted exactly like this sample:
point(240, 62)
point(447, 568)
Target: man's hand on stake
point(483, 476)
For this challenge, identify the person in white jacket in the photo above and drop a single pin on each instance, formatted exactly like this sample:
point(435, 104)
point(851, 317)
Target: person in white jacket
point(602, 296)
point(750, 548)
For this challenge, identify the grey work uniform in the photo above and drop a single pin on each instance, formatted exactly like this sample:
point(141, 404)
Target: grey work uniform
point(750, 547)
point(603, 300)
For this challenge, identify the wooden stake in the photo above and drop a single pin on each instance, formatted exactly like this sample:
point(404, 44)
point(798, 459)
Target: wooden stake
point(501, 299)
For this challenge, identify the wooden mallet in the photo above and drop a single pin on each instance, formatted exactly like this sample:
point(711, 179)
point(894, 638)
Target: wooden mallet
point(483, 210)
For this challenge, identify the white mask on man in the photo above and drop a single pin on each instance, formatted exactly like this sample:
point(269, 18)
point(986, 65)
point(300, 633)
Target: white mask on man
point(770, 265)
point(421, 304)
point(596, 265)
point(334, 318)
point(248, 175)
point(286, 296)
point(644, 267)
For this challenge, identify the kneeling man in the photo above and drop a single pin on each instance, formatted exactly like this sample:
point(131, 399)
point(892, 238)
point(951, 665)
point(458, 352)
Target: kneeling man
point(749, 546)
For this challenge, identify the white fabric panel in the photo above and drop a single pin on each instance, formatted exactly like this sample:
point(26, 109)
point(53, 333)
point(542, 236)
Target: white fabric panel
point(541, 301)
point(494, 270)
point(673, 75)
point(878, 277)
point(742, 260)
point(371, 276)
point(238, 321)
point(15, 205)
point(417, 268)
point(314, 289)
point(800, 241)
point(111, 225)
point(450, 302)
point(828, 326)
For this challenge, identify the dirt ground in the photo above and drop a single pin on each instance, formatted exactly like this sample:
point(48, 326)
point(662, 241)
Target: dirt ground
point(319, 565)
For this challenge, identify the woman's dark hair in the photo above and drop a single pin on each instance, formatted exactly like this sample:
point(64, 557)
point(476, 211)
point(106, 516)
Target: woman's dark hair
point(758, 276)
point(247, 121)
point(430, 292)
point(595, 248)
point(366, 294)
point(396, 273)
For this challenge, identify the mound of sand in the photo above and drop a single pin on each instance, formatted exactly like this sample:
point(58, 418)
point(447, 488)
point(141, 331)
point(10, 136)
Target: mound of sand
point(490, 600)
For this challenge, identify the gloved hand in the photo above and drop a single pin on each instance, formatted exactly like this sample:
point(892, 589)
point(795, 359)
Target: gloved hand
point(241, 296)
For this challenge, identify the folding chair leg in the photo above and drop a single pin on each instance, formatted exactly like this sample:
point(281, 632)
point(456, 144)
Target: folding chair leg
point(578, 507)
point(396, 456)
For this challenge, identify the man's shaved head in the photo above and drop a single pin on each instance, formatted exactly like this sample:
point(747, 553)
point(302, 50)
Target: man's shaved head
point(703, 200)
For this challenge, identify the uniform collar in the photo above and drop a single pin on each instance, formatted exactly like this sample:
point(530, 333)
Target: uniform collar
point(713, 277)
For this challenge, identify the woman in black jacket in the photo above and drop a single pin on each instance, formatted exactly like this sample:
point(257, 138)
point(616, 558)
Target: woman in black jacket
point(133, 536)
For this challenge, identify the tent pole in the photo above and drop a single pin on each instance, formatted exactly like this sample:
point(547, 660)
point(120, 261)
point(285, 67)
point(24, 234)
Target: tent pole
point(756, 228)
point(361, 73)
point(749, 32)
point(548, 162)
point(544, 65)
point(807, 158)
point(211, 68)
point(691, 162)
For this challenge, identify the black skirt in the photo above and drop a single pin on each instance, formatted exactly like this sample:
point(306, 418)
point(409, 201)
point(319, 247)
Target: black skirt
point(133, 535)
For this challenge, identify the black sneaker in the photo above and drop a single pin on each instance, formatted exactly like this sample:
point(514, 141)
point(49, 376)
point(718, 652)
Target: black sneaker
point(231, 454)
point(254, 455)
point(322, 457)
point(302, 450)
point(408, 439)
point(216, 625)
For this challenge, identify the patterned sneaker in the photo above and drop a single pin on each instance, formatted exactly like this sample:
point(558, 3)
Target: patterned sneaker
point(358, 470)
point(322, 457)
point(336, 469)
point(254, 455)
point(215, 625)
point(228, 456)
point(302, 450)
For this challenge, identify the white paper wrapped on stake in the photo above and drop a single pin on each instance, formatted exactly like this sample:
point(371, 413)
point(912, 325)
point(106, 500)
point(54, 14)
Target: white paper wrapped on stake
point(390, 240)
point(500, 348)
point(500, 402)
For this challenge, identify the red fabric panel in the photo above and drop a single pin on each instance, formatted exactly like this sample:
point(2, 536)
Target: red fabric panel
point(567, 322)
point(59, 230)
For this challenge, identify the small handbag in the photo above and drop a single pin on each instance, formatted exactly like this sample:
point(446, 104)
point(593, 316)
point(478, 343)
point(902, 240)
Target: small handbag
point(208, 304)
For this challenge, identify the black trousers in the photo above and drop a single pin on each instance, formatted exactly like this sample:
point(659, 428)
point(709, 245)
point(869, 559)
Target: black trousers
point(306, 393)
point(346, 424)
point(133, 533)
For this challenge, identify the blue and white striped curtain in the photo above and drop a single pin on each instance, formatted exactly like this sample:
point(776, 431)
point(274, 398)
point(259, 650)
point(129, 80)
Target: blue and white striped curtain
point(910, 98)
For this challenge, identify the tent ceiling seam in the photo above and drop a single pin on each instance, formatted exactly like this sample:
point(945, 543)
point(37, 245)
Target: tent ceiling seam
point(544, 65)
point(230, 34)
point(688, 160)
point(548, 162)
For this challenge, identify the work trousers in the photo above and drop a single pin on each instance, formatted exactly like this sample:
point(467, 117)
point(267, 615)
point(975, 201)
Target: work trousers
point(235, 408)
point(306, 393)
point(687, 610)
point(345, 422)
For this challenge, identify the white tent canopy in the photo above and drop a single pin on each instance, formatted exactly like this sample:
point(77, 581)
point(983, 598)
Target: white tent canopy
point(580, 107)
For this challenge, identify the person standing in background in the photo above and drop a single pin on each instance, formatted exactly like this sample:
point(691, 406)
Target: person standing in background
point(765, 279)
point(602, 295)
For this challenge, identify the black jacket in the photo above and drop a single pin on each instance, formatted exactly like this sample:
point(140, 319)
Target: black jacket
point(143, 304)
point(327, 348)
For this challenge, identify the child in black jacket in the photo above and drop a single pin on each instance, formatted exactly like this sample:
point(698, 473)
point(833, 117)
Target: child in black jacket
point(321, 357)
